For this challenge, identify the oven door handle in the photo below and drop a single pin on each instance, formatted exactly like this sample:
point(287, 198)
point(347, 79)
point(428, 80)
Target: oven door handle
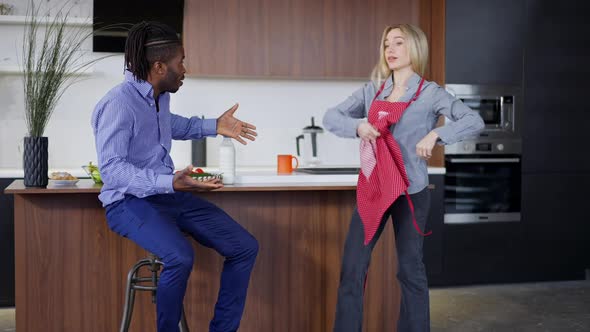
point(484, 160)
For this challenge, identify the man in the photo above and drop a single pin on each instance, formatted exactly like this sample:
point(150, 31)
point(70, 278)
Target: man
point(149, 204)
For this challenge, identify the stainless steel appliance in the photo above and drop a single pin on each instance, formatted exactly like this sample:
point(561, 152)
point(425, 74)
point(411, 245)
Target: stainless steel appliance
point(483, 173)
point(500, 108)
point(482, 189)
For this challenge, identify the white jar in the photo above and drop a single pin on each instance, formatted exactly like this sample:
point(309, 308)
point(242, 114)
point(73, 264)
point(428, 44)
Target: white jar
point(227, 160)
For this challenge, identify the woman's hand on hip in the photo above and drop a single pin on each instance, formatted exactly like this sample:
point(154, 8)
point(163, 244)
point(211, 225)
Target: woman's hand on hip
point(367, 132)
point(426, 144)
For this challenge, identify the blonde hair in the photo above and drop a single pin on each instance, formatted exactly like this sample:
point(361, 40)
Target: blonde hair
point(417, 47)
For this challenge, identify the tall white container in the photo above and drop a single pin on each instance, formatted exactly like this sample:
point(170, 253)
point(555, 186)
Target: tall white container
point(227, 160)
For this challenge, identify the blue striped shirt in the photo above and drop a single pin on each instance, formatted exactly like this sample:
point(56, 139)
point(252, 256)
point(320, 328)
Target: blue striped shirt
point(133, 140)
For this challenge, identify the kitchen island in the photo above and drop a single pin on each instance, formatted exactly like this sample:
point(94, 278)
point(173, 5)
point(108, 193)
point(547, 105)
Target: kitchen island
point(71, 269)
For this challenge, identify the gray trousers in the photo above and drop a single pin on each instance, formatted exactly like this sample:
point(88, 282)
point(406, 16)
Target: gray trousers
point(414, 311)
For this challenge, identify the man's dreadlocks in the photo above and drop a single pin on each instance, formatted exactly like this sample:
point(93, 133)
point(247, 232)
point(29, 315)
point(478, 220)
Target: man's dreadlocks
point(147, 43)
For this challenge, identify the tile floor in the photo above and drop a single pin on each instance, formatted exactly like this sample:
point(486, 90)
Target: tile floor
point(539, 307)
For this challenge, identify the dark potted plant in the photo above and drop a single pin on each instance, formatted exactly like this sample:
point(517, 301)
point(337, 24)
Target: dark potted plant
point(52, 60)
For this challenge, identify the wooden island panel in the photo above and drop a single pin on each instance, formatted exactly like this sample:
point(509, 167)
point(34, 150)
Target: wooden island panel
point(71, 269)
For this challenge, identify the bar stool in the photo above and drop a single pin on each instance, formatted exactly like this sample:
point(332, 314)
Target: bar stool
point(137, 283)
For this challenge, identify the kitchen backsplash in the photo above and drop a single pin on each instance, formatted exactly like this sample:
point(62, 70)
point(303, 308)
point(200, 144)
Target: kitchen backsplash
point(279, 109)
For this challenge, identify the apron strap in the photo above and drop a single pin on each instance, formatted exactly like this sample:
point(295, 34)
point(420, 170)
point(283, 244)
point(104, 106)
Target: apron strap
point(406, 192)
point(414, 215)
point(380, 90)
point(416, 95)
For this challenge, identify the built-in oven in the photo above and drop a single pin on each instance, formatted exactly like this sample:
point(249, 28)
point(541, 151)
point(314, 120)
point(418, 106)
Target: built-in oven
point(483, 173)
point(482, 188)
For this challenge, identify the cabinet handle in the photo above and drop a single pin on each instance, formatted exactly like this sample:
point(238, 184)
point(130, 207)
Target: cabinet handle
point(431, 186)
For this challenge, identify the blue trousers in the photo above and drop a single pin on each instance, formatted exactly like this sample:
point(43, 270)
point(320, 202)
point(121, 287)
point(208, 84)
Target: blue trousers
point(156, 224)
point(414, 313)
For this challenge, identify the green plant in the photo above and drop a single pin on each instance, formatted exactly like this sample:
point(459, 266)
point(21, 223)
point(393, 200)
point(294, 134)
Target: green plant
point(53, 60)
point(5, 9)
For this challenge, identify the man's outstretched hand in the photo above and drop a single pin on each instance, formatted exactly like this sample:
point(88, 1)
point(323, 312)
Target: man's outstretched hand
point(229, 126)
point(184, 182)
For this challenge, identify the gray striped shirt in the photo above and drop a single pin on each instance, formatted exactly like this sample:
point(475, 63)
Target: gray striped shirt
point(418, 120)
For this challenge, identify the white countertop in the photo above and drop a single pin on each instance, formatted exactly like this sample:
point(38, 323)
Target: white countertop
point(245, 175)
point(271, 176)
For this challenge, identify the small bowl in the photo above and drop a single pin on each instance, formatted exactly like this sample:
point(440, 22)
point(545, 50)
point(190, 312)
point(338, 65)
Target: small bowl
point(211, 176)
point(94, 178)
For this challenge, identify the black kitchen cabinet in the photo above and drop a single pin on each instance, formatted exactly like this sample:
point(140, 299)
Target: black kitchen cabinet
point(554, 139)
point(484, 254)
point(552, 67)
point(433, 244)
point(556, 161)
point(484, 42)
point(6, 245)
point(556, 123)
point(555, 211)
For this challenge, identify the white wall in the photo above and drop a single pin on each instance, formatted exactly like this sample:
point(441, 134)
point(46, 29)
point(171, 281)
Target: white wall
point(279, 108)
point(80, 8)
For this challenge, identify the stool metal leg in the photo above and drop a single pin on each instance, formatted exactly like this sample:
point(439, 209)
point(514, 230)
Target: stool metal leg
point(130, 295)
point(128, 310)
point(183, 325)
point(134, 284)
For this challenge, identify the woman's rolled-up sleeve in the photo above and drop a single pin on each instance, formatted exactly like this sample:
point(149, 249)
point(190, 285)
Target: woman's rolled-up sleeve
point(343, 119)
point(466, 122)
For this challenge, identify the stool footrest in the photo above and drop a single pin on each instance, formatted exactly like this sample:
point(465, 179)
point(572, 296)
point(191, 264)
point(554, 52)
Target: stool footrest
point(153, 264)
point(145, 288)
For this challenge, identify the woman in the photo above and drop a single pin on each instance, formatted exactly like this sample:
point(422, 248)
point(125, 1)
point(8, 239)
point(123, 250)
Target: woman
point(396, 141)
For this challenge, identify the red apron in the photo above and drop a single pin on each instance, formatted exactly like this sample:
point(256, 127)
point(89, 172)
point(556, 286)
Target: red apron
point(383, 175)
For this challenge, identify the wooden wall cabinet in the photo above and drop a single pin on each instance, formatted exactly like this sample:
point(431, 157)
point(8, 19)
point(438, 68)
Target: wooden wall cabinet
point(304, 39)
point(301, 39)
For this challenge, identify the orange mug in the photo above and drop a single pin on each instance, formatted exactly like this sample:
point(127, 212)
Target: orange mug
point(285, 163)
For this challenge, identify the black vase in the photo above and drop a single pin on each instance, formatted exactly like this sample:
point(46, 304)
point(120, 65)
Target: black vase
point(35, 158)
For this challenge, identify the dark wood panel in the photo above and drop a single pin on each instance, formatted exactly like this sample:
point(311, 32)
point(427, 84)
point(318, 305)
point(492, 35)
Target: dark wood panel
point(294, 39)
point(438, 152)
point(6, 245)
point(20, 269)
point(71, 269)
point(436, 61)
point(437, 42)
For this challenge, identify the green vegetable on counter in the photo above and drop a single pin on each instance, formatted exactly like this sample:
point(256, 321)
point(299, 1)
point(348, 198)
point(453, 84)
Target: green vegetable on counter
point(93, 171)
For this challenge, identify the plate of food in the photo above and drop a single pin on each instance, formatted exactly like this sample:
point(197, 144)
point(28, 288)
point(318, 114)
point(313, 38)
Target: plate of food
point(200, 175)
point(63, 179)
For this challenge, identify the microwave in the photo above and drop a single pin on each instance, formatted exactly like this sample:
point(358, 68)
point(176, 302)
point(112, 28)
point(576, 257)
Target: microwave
point(497, 112)
point(500, 107)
